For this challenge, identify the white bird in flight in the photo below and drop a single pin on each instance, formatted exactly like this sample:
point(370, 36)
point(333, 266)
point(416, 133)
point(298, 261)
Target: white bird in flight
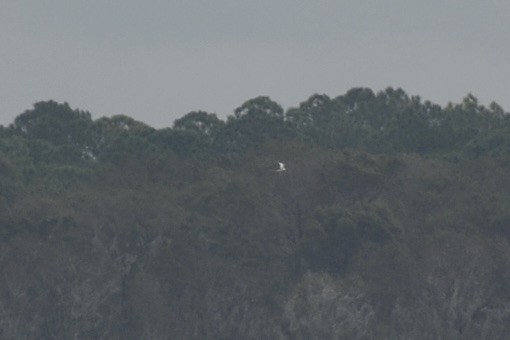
point(282, 167)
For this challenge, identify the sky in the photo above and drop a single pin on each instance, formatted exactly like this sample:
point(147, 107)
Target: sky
point(157, 60)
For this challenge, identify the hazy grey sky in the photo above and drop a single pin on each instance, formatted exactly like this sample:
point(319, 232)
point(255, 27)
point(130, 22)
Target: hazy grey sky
point(156, 60)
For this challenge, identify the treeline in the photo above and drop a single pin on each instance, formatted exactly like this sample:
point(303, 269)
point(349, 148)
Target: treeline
point(387, 122)
point(391, 222)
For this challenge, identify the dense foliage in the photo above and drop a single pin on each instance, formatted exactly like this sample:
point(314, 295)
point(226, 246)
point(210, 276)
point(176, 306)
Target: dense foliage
point(392, 221)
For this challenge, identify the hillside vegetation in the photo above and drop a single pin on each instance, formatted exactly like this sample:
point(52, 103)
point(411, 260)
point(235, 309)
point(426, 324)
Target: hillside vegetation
point(392, 221)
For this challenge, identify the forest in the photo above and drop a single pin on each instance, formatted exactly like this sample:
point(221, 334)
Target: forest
point(391, 221)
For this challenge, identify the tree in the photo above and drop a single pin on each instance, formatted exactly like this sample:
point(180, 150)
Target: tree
point(122, 138)
point(57, 133)
point(193, 135)
point(57, 124)
point(316, 111)
point(256, 121)
point(260, 107)
point(200, 123)
point(340, 233)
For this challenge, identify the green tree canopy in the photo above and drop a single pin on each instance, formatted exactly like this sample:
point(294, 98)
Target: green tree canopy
point(56, 123)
